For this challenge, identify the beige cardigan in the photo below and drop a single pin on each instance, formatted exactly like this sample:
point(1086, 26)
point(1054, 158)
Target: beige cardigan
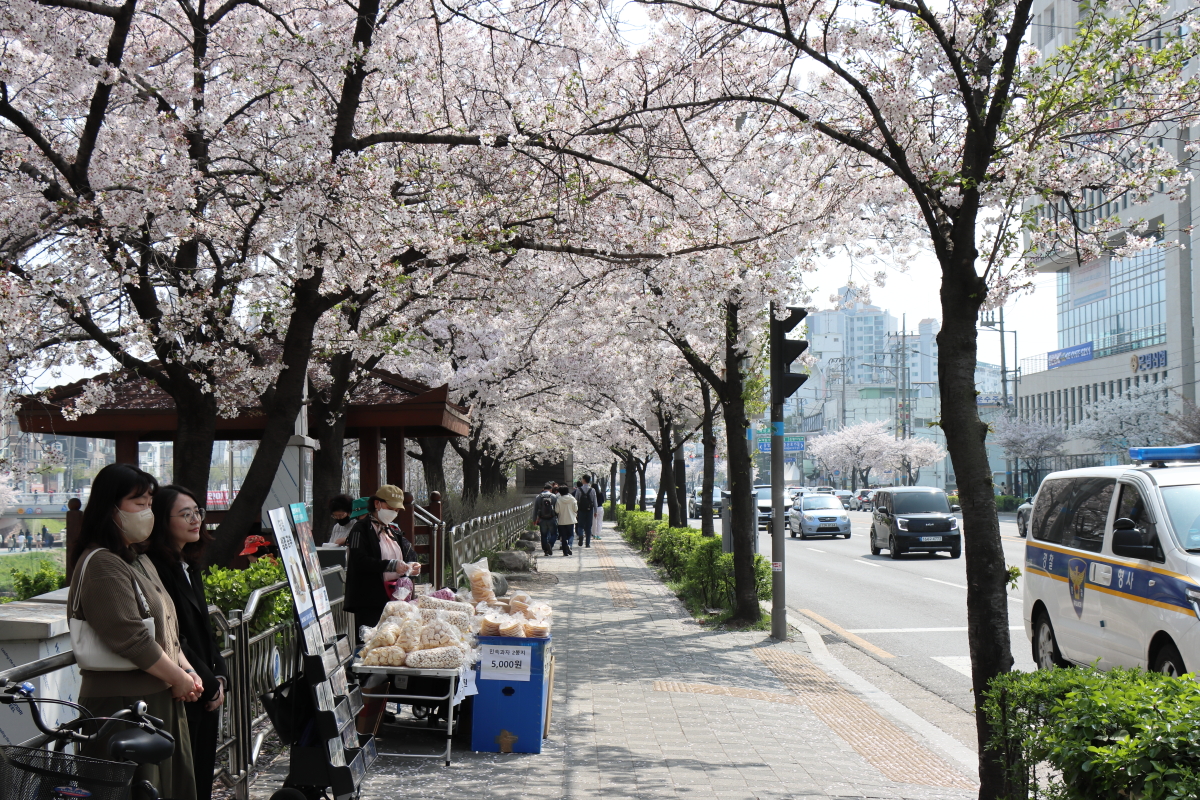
point(108, 600)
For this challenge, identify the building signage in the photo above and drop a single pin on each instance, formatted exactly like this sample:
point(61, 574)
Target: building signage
point(1089, 281)
point(791, 444)
point(1148, 361)
point(1069, 355)
point(993, 399)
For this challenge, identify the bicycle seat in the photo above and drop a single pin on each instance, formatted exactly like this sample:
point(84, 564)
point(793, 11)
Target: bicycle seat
point(140, 747)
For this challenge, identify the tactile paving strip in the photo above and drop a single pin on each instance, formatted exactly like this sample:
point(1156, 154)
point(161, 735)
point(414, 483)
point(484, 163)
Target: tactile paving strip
point(885, 746)
point(621, 598)
point(726, 691)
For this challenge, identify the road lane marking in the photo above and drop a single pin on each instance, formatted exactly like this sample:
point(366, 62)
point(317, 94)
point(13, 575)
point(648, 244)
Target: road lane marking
point(815, 550)
point(923, 630)
point(869, 564)
point(960, 664)
point(948, 583)
point(845, 634)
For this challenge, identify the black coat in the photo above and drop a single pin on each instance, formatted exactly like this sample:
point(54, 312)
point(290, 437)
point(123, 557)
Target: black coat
point(195, 626)
point(365, 567)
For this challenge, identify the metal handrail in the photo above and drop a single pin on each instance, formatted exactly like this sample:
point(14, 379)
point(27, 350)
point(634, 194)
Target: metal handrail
point(36, 669)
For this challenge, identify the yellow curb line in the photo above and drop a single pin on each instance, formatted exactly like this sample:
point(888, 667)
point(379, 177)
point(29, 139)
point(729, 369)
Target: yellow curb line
point(845, 634)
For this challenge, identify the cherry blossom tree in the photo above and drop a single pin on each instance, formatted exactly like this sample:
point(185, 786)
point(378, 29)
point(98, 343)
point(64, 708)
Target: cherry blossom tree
point(857, 449)
point(909, 456)
point(1029, 440)
point(1136, 418)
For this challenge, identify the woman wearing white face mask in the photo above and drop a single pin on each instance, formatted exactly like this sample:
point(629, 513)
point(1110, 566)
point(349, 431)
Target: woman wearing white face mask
point(378, 554)
point(114, 592)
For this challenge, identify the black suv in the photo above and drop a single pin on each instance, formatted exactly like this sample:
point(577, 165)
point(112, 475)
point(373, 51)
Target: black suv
point(914, 519)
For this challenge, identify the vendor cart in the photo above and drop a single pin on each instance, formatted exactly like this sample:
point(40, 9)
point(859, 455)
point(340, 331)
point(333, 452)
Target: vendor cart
point(458, 684)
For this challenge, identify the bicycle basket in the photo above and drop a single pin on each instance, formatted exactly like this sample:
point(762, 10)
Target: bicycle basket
point(32, 774)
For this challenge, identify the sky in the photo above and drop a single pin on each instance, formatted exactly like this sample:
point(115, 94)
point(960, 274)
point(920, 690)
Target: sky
point(915, 292)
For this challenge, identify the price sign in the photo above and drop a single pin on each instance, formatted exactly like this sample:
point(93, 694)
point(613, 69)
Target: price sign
point(504, 662)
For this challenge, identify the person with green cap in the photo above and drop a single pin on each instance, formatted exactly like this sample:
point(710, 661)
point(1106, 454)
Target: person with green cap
point(379, 554)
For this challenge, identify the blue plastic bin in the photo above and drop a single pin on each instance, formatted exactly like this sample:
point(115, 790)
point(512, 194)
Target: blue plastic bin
point(509, 709)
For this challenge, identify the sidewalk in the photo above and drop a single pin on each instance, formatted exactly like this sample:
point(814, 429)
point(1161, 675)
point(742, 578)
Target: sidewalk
point(648, 705)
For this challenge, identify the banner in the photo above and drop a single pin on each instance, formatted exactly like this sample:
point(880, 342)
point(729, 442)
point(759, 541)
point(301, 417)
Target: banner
point(1069, 355)
point(1089, 281)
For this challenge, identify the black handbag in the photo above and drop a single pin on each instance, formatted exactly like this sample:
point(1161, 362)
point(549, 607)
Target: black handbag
point(290, 708)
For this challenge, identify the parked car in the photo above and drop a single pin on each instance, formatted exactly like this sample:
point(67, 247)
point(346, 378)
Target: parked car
point(859, 501)
point(1112, 564)
point(845, 496)
point(914, 519)
point(818, 515)
point(766, 512)
point(825, 489)
point(1024, 512)
point(694, 502)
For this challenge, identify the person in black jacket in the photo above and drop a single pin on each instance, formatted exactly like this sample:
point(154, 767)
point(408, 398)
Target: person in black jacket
point(175, 547)
point(378, 554)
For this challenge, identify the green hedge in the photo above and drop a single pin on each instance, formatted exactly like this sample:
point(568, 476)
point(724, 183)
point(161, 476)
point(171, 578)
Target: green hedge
point(639, 527)
point(1103, 735)
point(705, 574)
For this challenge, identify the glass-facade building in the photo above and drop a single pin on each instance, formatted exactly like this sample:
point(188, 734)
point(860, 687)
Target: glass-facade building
point(1125, 312)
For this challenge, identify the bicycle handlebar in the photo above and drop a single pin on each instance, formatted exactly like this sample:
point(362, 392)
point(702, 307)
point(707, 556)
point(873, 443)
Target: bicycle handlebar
point(135, 715)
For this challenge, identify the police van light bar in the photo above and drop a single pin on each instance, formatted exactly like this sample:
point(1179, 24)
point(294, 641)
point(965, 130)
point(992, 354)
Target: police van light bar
point(1184, 452)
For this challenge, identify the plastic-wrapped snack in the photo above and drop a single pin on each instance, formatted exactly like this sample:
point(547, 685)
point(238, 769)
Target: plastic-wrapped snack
point(410, 635)
point(517, 606)
point(538, 610)
point(490, 624)
point(456, 618)
point(480, 578)
point(437, 658)
point(512, 626)
point(522, 596)
point(438, 603)
point(384, 636)
point(402, 589)
point(444, 593)
point(399, 608)
point(439, 633)
point(538, 628)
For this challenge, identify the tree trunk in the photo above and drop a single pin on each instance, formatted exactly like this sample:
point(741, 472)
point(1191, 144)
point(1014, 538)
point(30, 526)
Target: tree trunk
point(470, 456)
point(709, 440)
point(281, 404)
point(191, 457)
point(491, 475)
point(629, 486)
point(432, 457)
point(987, 601)
point(641, 474)
point(327, 463)
point(612, 484)
point(679, 487)
point(743, 511)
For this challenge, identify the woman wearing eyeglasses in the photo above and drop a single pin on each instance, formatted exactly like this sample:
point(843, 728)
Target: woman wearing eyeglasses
point(175, 548)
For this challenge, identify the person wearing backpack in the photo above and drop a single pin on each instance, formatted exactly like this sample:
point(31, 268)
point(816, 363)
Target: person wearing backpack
point(598, 519)
point(567, 511)
point(585, 496)
point(545, 514)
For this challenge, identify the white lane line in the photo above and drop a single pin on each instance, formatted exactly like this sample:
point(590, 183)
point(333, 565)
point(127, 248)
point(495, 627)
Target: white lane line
point(960, 664)
point(922, 630)
point(815, 550)
point(868, 563)
point(948, 583)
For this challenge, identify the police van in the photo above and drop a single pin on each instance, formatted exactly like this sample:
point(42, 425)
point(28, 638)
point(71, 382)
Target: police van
point(1112, 564)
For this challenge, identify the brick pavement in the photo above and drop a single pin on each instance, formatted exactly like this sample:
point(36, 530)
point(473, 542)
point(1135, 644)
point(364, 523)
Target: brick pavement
point(648, 705)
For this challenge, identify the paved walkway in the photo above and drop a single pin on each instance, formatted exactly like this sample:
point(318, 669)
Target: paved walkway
point(649, 705)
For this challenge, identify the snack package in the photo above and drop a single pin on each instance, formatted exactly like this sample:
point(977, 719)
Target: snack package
point(439, 632)
point(456, 618)
point(444, 605)
point(402, 589)
point(521, 596)
point(538, 628)
point(444, 593)
point(538, 610)
point(513, 625)
point(410, 635)
point(480, 578)
point(399, 608)
point(489, 624)
point(437, 658)
point(383, 636)
point(385, 657)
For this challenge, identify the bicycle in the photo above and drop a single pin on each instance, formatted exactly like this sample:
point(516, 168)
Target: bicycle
point(34, 773)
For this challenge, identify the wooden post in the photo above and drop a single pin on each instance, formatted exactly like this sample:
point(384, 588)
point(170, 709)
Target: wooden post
point(435, 504)
point(127, 448)
point(368, 461)
point(395, 456)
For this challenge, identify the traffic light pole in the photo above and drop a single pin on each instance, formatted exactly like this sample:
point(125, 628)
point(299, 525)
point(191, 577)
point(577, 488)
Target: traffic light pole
point(779, 626)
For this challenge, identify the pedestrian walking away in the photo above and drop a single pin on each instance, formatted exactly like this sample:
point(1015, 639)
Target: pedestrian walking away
point(585, 496)
point(545, 514)
point(598, 518)
point(567, 511)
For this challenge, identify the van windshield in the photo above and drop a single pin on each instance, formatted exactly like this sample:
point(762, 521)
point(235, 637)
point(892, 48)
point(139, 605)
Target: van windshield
point(816, 501)
point(919, 502)
point(1183, 507)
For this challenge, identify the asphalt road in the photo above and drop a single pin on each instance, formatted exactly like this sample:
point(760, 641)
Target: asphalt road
point(909, 614)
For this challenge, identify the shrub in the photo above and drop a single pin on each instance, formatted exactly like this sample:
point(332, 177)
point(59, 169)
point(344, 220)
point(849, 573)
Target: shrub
point(673, 547)
point(1117, 734)
point(705, 573)
point(46, 577)
point(634, 525)
point(230, 589)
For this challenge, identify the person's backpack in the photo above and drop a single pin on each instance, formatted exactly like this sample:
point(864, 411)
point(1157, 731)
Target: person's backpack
point(586, 500)
point(599, 495)
point(546, 508)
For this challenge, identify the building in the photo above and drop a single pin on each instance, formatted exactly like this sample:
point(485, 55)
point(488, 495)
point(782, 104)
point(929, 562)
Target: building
point(1123, 322)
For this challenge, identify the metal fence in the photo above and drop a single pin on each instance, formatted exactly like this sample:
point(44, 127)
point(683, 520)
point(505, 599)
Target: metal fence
point(490, 532)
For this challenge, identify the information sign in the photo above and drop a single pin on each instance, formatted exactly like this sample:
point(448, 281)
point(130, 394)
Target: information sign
point(505, 662)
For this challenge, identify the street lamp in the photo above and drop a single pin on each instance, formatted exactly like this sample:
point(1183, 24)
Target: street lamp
point(996, 322)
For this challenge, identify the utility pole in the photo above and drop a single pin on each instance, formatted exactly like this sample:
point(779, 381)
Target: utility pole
point(783, 384)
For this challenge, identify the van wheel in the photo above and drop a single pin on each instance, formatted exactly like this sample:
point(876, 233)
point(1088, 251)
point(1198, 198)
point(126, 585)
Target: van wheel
point(1045, 646)
point(1169, 662)
point(955, 552)
point(893, 551)
point(874, 549)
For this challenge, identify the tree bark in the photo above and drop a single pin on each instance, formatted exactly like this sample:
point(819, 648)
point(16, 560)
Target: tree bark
point(641, 474)
point(329, 429)
point(987, 601)
point(612, 490)
point(470, 455)
point(709, 470)
point(492, 479)
point(191, 457)
point(432, 457)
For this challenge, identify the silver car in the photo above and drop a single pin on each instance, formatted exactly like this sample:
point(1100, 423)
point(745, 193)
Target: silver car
point(818, 515)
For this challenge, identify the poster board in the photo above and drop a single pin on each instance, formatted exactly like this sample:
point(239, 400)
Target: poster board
point(298, 580)
point(312, 566)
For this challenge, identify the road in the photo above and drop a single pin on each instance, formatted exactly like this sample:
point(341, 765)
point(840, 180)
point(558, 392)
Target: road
point(909, 614)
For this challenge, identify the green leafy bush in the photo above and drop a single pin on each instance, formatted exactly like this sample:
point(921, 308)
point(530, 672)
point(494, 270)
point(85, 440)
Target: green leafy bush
point(230, 589)
point(45, 577)
point(673, 547)
point(1103, 735)
point(635, 525)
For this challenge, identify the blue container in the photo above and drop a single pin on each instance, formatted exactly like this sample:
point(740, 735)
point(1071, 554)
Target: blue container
point(509, 713)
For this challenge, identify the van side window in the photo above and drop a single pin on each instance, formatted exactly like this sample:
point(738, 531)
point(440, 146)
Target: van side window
point(1133, 506)
point(1072, 512)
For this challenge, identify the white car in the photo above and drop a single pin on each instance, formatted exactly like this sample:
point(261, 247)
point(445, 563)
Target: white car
point(1112, 564)
point(818, 515)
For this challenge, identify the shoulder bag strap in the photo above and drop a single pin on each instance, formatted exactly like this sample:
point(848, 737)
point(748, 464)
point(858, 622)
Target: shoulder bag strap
point(79, 586)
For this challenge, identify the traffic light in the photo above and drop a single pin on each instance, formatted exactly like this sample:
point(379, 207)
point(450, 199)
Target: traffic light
point(783, 352)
